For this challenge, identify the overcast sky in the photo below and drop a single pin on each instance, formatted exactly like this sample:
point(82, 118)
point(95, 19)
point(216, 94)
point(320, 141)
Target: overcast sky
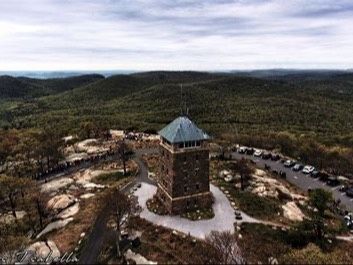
point(175, 34)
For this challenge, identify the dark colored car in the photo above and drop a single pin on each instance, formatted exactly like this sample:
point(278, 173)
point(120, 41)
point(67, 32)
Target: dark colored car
point(282, 174)
point(250, 151)
point(314, 174)
point(238, 215)
point(323, 176)
point(349, 192)
point(275, 157)
point(266, 155)
point(333, 181)
point(297, 167)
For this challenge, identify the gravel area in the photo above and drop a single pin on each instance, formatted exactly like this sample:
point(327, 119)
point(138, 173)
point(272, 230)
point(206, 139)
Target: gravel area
point(224, 214)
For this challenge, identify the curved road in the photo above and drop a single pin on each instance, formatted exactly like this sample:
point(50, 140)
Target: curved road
point(100, 232)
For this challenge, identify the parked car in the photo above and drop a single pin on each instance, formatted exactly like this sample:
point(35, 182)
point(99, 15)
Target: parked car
point(297, 167)
point(238, 215)
point(333, 181)
point(349, 192)
point(343, 188)
point(258, 153)
point(242, 150)
point(229, 178)
point(250, 151)
point(323, 176)
point(308, 169)
point(314, 174)
point(289, 163)
point(275, 157)
point(266, 155)
point(282, 174)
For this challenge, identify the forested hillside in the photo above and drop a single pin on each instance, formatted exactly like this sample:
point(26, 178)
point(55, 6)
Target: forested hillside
point(22, 87)
point(288, 112)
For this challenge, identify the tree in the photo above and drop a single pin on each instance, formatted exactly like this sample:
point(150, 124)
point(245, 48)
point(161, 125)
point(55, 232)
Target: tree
point(9, 186)
point(222, 248)
point(122, 208)
point(321, 200)
point(48, 148)
point(88, 130)
point(244, 171)
point(123, 152)
point(313, 229)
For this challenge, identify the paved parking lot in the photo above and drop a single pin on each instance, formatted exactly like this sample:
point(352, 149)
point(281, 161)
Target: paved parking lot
point(299, 179)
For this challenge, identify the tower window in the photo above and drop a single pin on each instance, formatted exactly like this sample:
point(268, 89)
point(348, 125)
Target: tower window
point(197, 186)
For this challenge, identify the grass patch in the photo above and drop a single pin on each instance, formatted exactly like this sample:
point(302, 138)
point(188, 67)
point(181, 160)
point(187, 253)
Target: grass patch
point(112, 177)
point(260, 242)
point(252, 204)
point(259, 207)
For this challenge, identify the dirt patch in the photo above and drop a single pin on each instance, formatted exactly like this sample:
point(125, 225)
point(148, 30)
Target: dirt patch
point(167, 246)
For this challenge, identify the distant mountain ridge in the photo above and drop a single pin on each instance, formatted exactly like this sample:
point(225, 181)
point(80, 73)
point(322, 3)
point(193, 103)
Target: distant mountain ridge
point(24, 87)
point(61, 74)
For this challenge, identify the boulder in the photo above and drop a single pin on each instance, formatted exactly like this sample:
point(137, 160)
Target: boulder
point(57, 184)
point(87, 196)
point(69, 212)
point(292, 212)
point(8, 218)
point(137, 258)
point(60, 202)
point(55, 226)
point(43, 250)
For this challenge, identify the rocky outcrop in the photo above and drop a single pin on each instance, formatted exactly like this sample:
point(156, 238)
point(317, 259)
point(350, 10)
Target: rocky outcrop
point(55, 226)
point(292, 212)
point(60, 202)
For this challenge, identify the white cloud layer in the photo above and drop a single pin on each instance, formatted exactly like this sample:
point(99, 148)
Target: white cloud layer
point(175, 34)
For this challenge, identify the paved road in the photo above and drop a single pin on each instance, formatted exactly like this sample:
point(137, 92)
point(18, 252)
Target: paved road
point(100, 232)
point(299, 179)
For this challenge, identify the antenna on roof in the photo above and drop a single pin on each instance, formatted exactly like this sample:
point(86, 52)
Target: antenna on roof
point(184, 109)
point(181, 99)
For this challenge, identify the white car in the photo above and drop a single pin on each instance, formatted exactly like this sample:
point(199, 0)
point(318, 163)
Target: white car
point(228, 178)
point(258, 153)
point(308, 169)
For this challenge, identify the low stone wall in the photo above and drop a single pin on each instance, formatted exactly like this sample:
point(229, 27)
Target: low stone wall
point(184, 204)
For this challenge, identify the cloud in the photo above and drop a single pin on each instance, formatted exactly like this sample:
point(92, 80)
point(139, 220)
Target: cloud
point(175, 34)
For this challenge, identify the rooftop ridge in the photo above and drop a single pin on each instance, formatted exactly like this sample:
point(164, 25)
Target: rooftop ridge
point(182, 129)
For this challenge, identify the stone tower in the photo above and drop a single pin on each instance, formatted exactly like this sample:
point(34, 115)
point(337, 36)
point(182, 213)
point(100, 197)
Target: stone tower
point(183, 184)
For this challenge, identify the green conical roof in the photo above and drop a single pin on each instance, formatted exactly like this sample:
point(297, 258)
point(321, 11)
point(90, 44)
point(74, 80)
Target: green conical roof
point(182, 129)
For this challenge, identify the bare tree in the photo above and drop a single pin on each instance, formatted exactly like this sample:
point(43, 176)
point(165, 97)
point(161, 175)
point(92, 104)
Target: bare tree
point(123, 153)
point(244, 170)
point(222, 248)
point(123, 208)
